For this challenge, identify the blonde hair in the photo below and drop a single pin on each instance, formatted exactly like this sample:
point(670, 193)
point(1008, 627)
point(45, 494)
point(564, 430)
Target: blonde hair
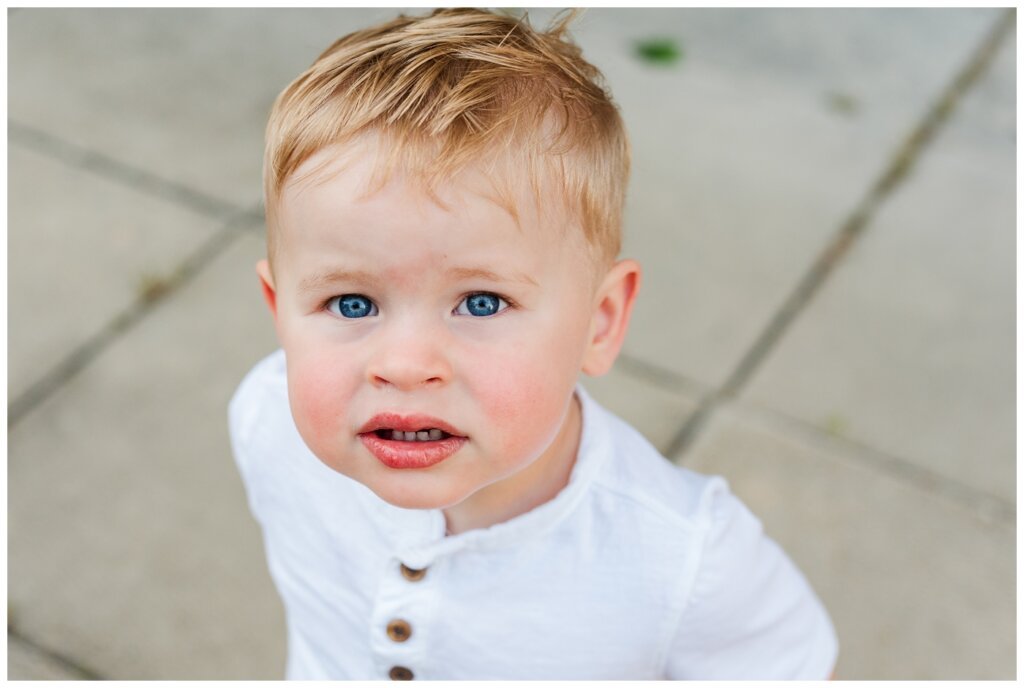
point(460, 86)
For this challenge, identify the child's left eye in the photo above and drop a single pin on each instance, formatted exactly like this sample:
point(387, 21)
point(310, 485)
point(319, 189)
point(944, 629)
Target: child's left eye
point(481, 305)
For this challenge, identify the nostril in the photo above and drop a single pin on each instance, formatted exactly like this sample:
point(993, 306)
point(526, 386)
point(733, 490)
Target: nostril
point(406, 371)
point(380, 381)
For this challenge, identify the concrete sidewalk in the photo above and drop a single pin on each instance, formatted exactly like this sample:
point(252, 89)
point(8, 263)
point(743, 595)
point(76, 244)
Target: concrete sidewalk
point(824, 204)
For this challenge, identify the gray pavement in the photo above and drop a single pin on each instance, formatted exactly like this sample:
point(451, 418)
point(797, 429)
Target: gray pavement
point(823, 202)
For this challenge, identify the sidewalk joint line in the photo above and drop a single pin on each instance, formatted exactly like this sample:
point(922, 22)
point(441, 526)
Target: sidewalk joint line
point(133, 177)
point(66, 663)
point(894, 174)
point(659, 376)
point(994, 507)
point(92, 347)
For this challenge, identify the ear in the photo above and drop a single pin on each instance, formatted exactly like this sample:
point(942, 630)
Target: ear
point(267, 282)
point(614, 304)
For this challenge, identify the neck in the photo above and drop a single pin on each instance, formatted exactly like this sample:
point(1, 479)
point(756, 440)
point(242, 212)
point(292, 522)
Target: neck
point(525, 490)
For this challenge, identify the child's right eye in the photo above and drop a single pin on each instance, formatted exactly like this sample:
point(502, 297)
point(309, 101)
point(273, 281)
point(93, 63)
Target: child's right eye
point(352, 306)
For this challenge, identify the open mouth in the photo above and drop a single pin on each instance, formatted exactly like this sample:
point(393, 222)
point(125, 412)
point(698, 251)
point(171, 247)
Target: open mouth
point(425, 435)
point(410, 441)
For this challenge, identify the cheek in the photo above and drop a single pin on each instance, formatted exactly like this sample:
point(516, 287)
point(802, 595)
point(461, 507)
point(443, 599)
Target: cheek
point(319, 398)
point(526, 396)
point(522, 415)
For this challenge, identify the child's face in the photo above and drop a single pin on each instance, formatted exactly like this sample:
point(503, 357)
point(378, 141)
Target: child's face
point(398, 314)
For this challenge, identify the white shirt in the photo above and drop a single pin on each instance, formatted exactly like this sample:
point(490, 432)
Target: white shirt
point(637, 569)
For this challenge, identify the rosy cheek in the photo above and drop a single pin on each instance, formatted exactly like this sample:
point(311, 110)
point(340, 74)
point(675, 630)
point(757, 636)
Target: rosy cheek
point(318, 399)
point(522, 401)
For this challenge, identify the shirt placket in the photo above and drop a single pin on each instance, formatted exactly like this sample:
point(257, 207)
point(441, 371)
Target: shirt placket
point(401, 627)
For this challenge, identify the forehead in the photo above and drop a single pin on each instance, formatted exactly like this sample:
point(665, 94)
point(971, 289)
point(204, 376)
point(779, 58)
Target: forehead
point(364, 175)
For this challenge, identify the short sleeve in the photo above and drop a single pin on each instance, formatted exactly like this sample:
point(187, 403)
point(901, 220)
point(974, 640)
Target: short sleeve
point(750, 613)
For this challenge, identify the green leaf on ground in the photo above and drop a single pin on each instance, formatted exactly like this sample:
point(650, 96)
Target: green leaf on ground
point(836, 425)
point(663, 51)
point(842, 103)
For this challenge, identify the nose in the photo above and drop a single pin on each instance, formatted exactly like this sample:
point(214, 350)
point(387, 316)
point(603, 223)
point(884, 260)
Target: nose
point(408, 356)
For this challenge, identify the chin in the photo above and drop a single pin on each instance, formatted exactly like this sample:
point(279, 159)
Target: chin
point(411, 497)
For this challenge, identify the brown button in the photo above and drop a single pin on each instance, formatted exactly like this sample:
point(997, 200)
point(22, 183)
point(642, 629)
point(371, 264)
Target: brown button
point(399, 630)
point(413, 574)
point(400, 674)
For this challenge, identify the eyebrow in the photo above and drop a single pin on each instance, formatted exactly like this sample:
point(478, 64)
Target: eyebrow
point(326, 278)
point(480, 273)
point(320, 280)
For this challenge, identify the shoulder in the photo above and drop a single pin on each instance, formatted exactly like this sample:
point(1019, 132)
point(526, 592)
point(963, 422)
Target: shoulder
point(741, 608)
point(638, 476)
point(665, 515)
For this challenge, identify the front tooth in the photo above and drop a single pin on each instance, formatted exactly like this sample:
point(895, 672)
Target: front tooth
point(422, 435)
point(397, 435)
point(434, 434)
point(410, 436)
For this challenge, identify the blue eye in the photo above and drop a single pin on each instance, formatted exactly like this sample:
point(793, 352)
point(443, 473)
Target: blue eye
point(352, 306)
point(481, 305)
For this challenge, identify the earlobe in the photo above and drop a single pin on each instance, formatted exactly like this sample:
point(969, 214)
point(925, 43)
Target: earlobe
point(267, 282)
point(615, 298)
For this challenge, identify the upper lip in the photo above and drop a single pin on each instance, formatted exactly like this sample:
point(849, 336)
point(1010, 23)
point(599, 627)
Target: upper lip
point(407, 423)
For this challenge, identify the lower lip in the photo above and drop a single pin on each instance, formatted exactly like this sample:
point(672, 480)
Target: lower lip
point(400, 454)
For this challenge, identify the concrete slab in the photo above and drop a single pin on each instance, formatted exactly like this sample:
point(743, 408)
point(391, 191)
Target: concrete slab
point(82, 249)
point(130, 542)
point(26, 663)
point(910, 345)
point(183, 93)
point(752, 149)
point(918, 586)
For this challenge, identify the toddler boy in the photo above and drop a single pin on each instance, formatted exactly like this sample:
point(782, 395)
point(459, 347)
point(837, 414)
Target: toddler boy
point(439, 499)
